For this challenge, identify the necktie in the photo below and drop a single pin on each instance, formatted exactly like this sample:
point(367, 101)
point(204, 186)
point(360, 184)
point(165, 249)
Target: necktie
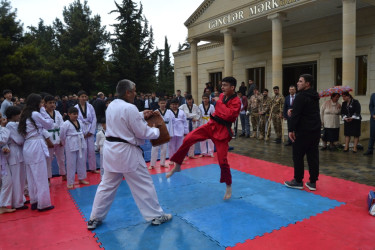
point(291, 103)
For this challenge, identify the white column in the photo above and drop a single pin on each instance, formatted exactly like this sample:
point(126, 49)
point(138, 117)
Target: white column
point(277, 49)
point(228, 54)
point(348, 43)
point(194, 68)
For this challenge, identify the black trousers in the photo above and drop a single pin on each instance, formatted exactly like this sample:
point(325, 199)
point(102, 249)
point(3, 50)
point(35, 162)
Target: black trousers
point(306, 144)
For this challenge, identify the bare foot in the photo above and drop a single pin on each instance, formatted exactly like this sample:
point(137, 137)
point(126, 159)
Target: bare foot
point(200, 156)
point(177, 168)
point(228, 192)
point(150, 167)
point(6, 210)
point(193, 157)
point(84, 182)
point(171, 163)
point(70, 186)
point(164, 166)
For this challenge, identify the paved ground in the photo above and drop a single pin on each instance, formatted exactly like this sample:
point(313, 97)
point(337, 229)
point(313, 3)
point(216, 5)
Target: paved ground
point(349, 166)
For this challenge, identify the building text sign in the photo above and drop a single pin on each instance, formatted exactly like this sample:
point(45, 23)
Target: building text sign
point(254, 10)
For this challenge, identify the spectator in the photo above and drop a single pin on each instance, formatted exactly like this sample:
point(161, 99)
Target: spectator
point(181, 99)
point(245, 123)
point(330, 116)
point(243, 89)
point(99, 107)
point(7, 93)
point(251, 88)
point(351, 115)
point(370, 148)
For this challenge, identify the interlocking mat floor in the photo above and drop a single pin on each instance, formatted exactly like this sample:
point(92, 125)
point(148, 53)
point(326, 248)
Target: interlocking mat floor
point(262, 213)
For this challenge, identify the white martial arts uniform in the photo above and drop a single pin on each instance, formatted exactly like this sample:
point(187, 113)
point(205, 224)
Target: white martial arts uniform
point(168, 119)
point(58, 149)
point(35, 152)
point(100, 138)
point(16, 164)
point(75, 150)
point(6, 177)
point(207, 146)
point(191, 114)
point(88, 123)
point(179, 128)
point(121, 159)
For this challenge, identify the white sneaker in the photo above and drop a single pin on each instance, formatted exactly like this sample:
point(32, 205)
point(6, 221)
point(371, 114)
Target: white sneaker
point(161, 219)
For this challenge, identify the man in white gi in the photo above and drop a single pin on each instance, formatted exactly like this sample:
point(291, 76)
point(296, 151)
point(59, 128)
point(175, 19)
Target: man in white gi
point(126, 131)
point(193, 115)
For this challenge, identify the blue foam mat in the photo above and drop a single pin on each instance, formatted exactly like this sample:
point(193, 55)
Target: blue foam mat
point(147, 155)
point(195, 198)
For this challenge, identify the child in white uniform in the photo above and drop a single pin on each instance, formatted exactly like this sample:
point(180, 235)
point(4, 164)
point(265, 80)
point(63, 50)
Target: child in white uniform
point(34, 119)
point(207, 109)
point(100, 138)
point(193, 114)
point(87, 119)
point(168, 119)
point(71, 136)
point(179, 129)
point(56, 148)
point(6, 178)
point(15, 159)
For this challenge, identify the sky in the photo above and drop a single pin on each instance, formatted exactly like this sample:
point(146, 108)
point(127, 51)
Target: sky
point(166, 17)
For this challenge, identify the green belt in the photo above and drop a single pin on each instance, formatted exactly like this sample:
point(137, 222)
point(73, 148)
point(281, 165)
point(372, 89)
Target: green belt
point(54, 131)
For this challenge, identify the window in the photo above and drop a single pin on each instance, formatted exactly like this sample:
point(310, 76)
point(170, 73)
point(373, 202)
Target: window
point(214, 79)
point(188, 84)
point(360, 74)
point(258, 77)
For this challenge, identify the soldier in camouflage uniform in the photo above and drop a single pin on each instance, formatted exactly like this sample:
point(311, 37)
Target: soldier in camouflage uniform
point(277, 106)
point(264, 114)
point(253, 107)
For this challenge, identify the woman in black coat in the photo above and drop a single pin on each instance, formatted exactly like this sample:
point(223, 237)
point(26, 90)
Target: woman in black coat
point(351, 114)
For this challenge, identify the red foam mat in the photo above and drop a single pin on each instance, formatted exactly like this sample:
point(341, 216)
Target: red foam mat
point(346, 227)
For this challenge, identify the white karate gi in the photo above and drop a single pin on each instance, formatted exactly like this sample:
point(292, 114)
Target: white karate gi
point(179, 128)
point(35, 152)
point(88, 124)
point(193, 113)
point(6, 178)
point(58, 149)
point(16, 164)
point(207, 146)
point(126, 160)
point(168, 117)
point(100, 138)
point(75, 150)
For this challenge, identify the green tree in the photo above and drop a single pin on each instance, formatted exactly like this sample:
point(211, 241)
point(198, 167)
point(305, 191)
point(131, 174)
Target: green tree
point(133, 54)
point(81, 49)
point(10, 42)
point(166, 72)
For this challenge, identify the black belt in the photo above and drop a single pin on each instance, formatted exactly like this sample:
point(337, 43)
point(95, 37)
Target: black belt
point(116, 139)
point(227, 124)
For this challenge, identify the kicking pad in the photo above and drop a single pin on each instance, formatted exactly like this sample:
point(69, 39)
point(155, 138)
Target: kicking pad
point(158, 121)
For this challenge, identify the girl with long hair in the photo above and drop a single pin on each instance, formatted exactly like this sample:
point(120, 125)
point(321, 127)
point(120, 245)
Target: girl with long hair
point(34, 119)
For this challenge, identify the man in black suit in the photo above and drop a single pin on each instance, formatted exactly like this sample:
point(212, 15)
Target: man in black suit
point(288, 105)
point(181, 99)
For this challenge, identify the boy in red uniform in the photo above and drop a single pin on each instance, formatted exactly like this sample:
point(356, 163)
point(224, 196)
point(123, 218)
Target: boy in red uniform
point(218, 129)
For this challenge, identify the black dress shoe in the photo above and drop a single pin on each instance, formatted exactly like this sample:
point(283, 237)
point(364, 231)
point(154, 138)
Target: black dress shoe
point(288, 144)
point(22, 208)
point(368, 152)
point(46, 208)
point(34, 206)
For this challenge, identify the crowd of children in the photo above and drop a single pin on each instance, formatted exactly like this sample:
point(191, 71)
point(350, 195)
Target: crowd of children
point(29, 140)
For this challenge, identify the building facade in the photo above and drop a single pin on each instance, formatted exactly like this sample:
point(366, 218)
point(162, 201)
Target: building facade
point(274, 41)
